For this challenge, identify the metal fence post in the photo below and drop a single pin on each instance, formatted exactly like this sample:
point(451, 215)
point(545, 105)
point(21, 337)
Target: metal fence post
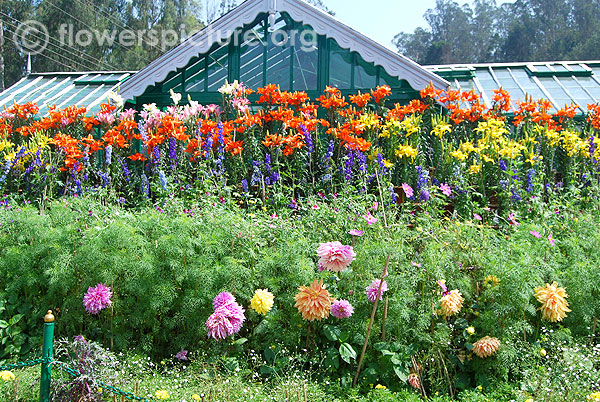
point(47, 356)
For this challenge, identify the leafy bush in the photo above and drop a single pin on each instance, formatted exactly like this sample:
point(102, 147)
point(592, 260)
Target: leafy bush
point(165, 266)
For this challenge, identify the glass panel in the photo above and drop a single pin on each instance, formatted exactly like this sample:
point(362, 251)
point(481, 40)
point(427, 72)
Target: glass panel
point(305, 69)
point(217, 69)
point(592, 86)
point(542, 68)
point(528, 84)
point(252, 57)
point(365, 74)
point(340, 66)
point(195, 77)
point(559, 67)
point(279, 66)
point(558, 94)
point(576, 67)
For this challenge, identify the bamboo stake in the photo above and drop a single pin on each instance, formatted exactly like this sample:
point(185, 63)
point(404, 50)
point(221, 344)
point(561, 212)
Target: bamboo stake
point(364, 349)
point(305, 395)
point(381, 197)
point(385, 313)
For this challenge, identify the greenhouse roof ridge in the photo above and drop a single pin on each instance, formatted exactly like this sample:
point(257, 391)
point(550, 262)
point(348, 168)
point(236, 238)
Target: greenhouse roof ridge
point(394, 63)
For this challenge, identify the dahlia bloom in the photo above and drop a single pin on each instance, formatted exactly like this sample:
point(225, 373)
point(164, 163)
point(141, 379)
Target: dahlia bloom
point(554, 302)
point(486, 347)
point(262, 301)
point(371, 290)
point(218, 325)
point(413, 380)
point(97, 298)
point(451, 303)
point(222, 299)
point(7, 375)
point(314, 301)
point(341, 309)
point(334, 256)
point(227, 318)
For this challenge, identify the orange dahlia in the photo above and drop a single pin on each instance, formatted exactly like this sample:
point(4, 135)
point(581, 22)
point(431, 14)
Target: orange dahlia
point(314, 301)
point(554, 302)
point(486, 346)
point(451, 303)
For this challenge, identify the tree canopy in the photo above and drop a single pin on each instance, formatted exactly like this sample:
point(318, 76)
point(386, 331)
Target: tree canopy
point(527, 30)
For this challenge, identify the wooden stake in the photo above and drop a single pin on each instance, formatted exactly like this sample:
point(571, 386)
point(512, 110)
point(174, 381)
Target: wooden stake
point(385, 313)
point(364, 349)
point(305, 395)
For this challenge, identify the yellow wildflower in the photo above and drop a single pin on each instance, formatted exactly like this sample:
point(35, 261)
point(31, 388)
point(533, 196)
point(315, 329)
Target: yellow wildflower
point(379, 386)
point(594, 397)
point(196, 397)
point(441, 128)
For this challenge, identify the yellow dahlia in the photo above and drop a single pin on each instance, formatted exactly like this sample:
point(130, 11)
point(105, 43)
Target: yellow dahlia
point(451, 303)
point(486, 346)
point(554, 302)
point(314, 301)
point(262, 302)
point(7, 375)
point(594, 397)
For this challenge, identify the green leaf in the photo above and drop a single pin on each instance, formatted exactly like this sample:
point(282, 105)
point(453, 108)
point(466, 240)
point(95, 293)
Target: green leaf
point(3, 324)
point(15, 319)
point(332, 332)
point(347, 352)
point(401, 372)
point(240, 341)
point(468, 346)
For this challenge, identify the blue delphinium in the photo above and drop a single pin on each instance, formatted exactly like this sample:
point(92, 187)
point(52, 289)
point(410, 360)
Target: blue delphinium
point(173, 152)
point(256, 173)
point(310, 146)
point(108, 154)
point(502, 164)
point(530, 176)
point(145, 185)
point(163, 179)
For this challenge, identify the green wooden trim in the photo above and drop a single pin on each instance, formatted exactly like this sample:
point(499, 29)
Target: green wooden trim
point(456, 74)
point(323, 63)
point(353, 69)
point(578, 73)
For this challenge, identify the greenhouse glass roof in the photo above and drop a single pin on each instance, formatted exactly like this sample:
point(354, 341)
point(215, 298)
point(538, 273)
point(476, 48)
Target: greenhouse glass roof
point(561, 82)
point(64, 89)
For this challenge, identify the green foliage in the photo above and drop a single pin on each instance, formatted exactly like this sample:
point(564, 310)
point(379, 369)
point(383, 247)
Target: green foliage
point(165, 266)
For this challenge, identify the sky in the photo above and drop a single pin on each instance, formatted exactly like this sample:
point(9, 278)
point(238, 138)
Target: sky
point(381, 20)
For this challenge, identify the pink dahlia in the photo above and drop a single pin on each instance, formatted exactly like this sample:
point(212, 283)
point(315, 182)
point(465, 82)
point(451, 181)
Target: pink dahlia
point(334, 256)
point(371, 290)
point(486, 347)
point(97, 298)
point(222, 299)
point(341, 309)
point(413, 380)
point(235, 313)
point(218, 325)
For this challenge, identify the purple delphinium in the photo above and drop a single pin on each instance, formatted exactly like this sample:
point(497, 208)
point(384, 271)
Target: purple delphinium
point(372, 289)
point(126, 173)
point(97, 298)
point(244, 185)
point(424, 195)
point(348, 163)
point(173, 152)
point(422, 177)
point(145, 185)
point(105, 179)
point(502, 165)
point(310, 145)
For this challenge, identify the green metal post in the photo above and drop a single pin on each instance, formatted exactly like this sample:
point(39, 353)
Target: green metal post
point(47, 356)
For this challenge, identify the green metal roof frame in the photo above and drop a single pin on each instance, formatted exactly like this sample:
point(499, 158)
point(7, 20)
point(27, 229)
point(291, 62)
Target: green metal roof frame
point(63, 89)
point(324, 69)
point(560, 82)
